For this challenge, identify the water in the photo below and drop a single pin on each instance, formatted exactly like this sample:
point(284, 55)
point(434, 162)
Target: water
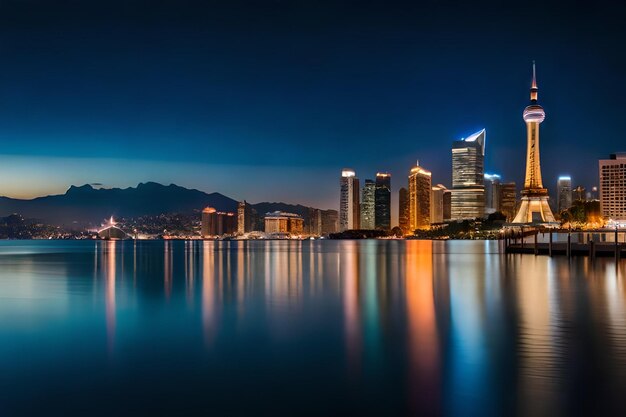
point(307, 328)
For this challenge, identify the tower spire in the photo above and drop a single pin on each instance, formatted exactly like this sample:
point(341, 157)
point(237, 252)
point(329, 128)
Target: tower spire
point(533, 86)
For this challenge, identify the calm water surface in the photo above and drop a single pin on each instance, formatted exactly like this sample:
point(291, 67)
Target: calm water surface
point(314, 327)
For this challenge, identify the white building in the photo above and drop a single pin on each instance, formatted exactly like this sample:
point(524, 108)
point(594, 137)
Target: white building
point(349, 208)
point(613, 187)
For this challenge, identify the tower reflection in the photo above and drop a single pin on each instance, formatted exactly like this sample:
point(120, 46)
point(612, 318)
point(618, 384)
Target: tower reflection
point(538, 306)
point(109, 252)
point(423, 341)
point(349, 277)
point(210, 311)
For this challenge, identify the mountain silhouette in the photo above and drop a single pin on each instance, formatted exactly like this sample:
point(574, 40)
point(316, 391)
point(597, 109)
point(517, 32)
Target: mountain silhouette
point(87, 206)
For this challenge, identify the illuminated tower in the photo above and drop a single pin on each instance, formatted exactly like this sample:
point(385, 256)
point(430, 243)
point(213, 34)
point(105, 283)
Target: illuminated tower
point(534, 206)
point(420, 185)
point(349, 211)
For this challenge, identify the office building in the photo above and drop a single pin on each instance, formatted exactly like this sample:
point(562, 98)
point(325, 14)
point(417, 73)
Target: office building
point(534, 207)
point(281, 222)
point(330, 221)
point(217, 223)
point(420, 184)
point(468, 189)
point(508, 200)
point(613, 187)
point(447, 205)
point(314, 224)
point(349, 210)
point(368, 205)
point(437, 198)
point(492, 193)
point(383, 201)
point(579, 193)
point(564, 193)
point(247, 218)
point(403, 210)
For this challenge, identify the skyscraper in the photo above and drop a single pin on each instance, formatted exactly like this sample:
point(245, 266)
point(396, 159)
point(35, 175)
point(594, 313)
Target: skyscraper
point(492, 193)
point(437, 203)
point(564, 192)
point(349, 212)
point(368, 205)
point(314, 225)
point(209, 222)
point(579, 193)
point(217, 223)
point(330, 220)
point(468, 189)
point(403, 210)
point(508, 200)
point(246, 218)
point(613, 187)
point(420, 184)
point(383, 201)
point(534, 206)
point(447, 205)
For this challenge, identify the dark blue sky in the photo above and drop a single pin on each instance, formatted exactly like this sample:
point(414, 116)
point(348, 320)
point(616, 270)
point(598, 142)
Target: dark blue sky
point(269, 100)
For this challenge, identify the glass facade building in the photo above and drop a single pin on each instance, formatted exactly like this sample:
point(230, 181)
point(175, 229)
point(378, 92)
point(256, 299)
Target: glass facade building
point(468, 189)
point(383, 201)
point(349, 211)
point(492, 193)
point(368, 206)
point(437, 203)
point(564, 192)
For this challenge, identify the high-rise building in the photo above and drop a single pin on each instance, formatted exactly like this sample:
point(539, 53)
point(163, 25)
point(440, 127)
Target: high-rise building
point(246, 218)
point(368, 205)
point(437, 204)
point(447, 205)
point(330, 221)
point(420, 184)
point(508, 200)
point(579, 193)
point(209, 222)
point(403, 210)
point(613, 187)
point(534, 207)
point(281, 222)
point(217, 223)
point(349, 211)
point(492, 193)
point(564, 192)
point(468, 189)
point(314, 226)
point(383, 201)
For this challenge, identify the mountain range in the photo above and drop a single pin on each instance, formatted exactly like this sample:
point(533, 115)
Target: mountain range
point(85, 205)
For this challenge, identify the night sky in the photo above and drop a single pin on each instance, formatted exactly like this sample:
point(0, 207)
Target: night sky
point(269, 100)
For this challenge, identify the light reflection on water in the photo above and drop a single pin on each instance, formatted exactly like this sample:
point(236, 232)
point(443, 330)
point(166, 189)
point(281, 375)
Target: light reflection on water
point(310, 327)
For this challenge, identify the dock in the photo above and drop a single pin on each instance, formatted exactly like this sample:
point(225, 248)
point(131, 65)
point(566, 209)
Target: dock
point(563, 242)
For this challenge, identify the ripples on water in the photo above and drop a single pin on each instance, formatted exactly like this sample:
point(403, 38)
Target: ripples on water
point(313, 327)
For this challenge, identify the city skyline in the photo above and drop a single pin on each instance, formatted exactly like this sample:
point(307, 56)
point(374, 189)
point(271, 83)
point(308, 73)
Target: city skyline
point(173, 101)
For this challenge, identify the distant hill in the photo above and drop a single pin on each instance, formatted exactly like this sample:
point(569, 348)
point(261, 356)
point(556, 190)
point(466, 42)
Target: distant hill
point(87, 205)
